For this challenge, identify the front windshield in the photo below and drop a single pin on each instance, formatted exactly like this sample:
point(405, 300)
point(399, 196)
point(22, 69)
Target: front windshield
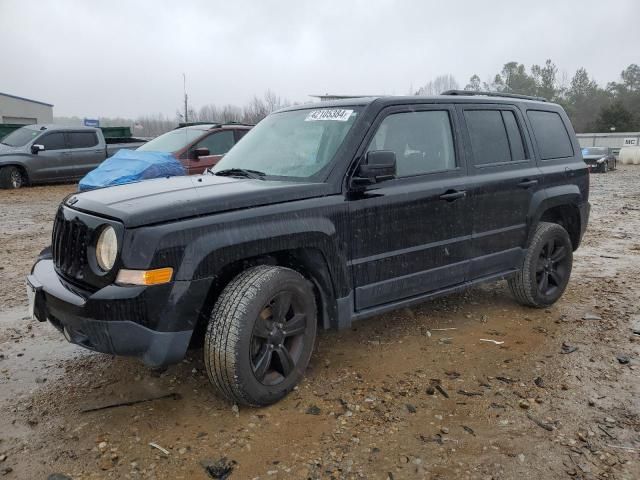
point(595, 151)
point(298, 143)
point(20, 137)
point(172, 141)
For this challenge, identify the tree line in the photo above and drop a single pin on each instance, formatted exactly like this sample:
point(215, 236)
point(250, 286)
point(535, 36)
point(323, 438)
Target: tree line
point(153, 125)
point(591, 107)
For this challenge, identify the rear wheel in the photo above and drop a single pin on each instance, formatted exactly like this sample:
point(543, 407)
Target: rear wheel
point(546, 268)
point(261, 335)
point(11, 178)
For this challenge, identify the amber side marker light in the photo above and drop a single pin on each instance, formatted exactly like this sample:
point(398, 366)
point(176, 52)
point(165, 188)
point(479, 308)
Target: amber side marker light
point(144, 277)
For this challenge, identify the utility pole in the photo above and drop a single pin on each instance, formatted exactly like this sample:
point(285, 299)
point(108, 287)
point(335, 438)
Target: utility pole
point(184, 86)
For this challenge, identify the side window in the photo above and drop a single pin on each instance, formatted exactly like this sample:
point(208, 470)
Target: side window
point(488, 136)
point(218, 143)
point(515, 136)
point(53, 141)
point(551, 135)
point(83, 139)
point(422, 141)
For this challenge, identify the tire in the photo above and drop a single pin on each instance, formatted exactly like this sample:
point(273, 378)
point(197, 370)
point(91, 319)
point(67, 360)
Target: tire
point(11, 178)
point(605, 167)
point(546, 267)
point(251, 357)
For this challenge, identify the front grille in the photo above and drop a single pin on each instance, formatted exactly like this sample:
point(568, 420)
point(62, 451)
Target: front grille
point(69, 246)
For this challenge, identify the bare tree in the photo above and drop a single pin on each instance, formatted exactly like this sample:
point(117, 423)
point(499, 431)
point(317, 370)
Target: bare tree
point(438, 85)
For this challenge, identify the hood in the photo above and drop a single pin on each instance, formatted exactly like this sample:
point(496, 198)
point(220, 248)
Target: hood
point(175, 198)
point(7, 150)
point(587, 158)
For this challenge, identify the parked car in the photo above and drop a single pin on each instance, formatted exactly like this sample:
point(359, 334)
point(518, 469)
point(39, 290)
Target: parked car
point(323, 215)
point(53, 153)
point(198, 147)
point(599, 159)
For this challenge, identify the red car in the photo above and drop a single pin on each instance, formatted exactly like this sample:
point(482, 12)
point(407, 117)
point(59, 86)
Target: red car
point(200, 146)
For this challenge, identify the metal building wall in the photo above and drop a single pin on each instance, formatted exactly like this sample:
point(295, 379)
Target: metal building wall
point(24, 111)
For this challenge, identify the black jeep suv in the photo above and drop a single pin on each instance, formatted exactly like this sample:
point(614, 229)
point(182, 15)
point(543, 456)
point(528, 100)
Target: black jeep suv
point(323, 214)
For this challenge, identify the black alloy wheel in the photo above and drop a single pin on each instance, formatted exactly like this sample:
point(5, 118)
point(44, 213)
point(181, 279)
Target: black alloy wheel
point(277, 338)
point(546, 267)
point(261, 335)
point(551, 269)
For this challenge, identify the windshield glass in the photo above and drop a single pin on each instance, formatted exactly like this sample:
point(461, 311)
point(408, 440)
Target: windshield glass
point(20, 137)
point(595, 151)
point(172, 141)
point(297, 143)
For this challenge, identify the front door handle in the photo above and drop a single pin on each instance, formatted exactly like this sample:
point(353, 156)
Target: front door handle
point(451, 195)
point(526, 183)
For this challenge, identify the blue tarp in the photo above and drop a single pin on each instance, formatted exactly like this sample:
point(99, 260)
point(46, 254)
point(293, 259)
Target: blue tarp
point(128, 166)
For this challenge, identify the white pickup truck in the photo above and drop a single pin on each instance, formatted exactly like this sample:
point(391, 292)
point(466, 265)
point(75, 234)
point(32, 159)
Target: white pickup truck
point(53, 153)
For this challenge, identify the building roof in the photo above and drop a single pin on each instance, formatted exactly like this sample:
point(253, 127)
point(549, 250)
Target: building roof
point(25, 99)
point(609, 134)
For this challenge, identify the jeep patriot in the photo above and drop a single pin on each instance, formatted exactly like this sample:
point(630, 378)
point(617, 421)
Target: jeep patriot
point(324, 214)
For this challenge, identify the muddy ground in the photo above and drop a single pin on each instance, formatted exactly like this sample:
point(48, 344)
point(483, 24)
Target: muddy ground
point(412, 394)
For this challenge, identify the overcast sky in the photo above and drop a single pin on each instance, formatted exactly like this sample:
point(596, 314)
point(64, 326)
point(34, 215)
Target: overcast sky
point(117, 58)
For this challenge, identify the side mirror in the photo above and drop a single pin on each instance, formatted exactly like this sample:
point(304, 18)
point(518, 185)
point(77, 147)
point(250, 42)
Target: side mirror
point(377, 166)
point(200, 152)
point(36, 147)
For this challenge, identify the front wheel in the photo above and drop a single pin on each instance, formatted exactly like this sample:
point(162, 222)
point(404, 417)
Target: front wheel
point(546, 268)
point(261, 335)
point(11, 177)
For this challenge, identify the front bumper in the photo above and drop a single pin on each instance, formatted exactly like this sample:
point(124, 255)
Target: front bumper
point(146, 322)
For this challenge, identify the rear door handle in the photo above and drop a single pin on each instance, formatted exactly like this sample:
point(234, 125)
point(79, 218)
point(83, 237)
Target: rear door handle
point(451, 195)
point(526, 183)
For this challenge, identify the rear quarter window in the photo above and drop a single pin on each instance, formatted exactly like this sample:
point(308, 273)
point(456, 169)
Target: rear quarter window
point(83, 139)
point(550, 134)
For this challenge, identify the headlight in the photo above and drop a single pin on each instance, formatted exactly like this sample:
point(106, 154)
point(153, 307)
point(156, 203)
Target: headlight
point(107, 248)
point(601, 160)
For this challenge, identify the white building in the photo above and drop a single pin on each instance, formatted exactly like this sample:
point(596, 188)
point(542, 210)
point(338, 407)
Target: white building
point(614, 140)
point(23, 111)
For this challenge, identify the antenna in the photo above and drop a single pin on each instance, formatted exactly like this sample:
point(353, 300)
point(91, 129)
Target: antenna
point(184, 87)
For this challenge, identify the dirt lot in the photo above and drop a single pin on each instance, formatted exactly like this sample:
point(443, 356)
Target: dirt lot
point(412, 394)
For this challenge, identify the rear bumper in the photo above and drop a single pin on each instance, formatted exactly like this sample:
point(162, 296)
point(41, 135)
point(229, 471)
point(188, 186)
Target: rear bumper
point(132, 321)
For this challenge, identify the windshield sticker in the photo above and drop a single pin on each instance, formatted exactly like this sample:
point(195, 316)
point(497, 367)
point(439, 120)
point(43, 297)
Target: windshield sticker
point(335, 114)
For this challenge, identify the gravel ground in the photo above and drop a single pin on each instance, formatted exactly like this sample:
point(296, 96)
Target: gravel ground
point(411, 394)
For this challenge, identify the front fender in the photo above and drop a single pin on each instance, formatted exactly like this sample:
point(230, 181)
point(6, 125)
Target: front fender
point(236, 244)
point(201, 247)
point(20, 160)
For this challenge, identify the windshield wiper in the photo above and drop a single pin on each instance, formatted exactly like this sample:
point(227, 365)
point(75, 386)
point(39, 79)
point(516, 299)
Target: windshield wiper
point(240, 172)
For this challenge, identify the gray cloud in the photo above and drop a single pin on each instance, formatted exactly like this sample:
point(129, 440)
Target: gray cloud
point(127, 58)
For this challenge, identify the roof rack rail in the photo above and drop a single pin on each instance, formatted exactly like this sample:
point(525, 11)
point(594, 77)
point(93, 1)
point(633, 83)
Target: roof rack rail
point(494, 94)
point(242, 124)
point(195, 124)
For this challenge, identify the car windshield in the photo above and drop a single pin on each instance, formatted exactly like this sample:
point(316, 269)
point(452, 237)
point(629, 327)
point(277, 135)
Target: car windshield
point(297, 143)
point(20, 137)
point(595, 151)
point(172, 141)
